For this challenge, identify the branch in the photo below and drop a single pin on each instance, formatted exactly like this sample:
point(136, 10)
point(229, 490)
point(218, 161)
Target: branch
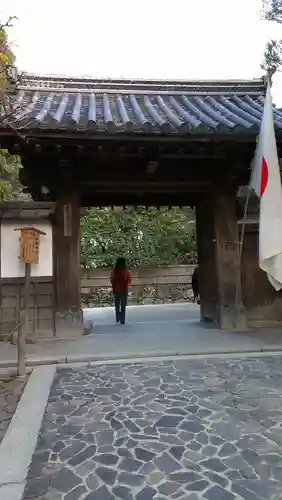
point(9, 112)
point(8, 23)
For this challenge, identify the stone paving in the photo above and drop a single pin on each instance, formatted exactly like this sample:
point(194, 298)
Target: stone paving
point(187, 430)
point(10, 392)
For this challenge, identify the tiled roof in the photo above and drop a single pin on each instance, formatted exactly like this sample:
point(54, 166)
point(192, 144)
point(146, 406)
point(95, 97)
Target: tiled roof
point(117, 106)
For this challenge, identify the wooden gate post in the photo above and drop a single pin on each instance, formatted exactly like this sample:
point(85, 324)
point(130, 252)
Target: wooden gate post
point(206, 258)
point(230, 310)
point(68, 312)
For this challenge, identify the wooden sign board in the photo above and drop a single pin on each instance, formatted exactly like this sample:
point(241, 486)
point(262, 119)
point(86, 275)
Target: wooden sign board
point(29, 244)
point(67, 220)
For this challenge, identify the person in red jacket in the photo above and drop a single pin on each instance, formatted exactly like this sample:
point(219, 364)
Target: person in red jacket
point(120, 280)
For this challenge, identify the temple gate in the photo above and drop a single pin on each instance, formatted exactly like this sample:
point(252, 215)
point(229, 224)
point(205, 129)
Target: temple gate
point(125, 142)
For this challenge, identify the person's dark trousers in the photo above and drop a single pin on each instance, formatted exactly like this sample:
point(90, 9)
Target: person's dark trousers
point(120, 306)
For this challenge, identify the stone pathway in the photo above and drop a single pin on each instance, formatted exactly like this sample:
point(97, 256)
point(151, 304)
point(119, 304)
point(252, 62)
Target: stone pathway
point(11, 389)
point(187, 430)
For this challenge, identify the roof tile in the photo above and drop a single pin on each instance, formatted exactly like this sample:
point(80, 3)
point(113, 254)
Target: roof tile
point(141, 106)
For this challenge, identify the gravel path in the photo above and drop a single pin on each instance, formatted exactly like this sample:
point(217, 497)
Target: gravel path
point(10, 392)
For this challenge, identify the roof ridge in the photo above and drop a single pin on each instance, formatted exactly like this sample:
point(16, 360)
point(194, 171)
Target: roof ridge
point(142, 81)
point(116, 86)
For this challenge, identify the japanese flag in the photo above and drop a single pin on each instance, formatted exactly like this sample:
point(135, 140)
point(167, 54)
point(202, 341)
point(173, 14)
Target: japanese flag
point(266, 182)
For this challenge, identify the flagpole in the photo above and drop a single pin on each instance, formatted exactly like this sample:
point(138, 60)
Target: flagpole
point(266, 183)
point(267, 81)
point(242, 234)
point(241, 239)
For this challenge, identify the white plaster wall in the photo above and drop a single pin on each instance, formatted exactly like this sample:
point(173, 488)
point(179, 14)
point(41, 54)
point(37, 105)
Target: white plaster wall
point(11, 267)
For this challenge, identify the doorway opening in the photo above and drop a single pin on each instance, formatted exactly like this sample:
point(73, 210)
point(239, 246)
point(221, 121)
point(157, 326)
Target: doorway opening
point(160, 248)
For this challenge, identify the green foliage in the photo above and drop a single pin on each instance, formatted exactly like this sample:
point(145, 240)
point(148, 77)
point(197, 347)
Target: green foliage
point(272, 58)
point(143, 236)
point(7, 57)
point(10, 186)
point(272, 10)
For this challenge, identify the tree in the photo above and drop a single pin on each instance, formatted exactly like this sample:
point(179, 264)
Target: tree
point(10, 186)
point(272, 10)
point(8, 76)
point(143, 236)
point(7, 57)
point(272, 58)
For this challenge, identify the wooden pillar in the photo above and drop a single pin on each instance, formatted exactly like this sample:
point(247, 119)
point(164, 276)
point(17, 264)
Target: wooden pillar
point(263, 304)
point(206, 259)
point(68, 313)
point(230, 310)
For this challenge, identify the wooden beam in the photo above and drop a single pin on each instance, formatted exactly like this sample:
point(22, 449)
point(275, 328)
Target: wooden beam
point(86, 135)
point(152, 185)
point(115, 199)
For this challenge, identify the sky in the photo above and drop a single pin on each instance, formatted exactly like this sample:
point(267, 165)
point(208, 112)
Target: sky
point(183, 39)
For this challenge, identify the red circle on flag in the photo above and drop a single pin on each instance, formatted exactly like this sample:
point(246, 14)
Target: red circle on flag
point(264, 176)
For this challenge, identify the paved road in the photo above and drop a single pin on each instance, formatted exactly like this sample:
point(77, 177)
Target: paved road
point(158, 313)
point(187, 430)
point(150, 330)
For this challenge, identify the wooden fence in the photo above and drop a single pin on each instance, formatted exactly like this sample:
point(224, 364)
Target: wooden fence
point(150, 285)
